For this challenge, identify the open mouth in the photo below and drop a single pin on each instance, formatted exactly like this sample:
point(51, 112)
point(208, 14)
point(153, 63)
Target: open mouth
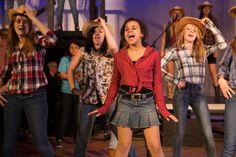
point(21, 29)
point(131, 36)
point(190, 35)
point(97, 38)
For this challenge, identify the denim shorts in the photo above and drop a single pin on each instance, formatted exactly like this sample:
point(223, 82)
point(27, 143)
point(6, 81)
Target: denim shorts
point(136, 113)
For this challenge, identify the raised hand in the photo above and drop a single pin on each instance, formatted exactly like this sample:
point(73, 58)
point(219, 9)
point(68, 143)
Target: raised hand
point(204, 20)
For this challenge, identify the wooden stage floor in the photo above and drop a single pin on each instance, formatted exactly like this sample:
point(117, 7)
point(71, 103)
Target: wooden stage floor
point(98, 147)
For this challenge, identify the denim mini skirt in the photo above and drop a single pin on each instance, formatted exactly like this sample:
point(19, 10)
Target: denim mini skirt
point(135, 113)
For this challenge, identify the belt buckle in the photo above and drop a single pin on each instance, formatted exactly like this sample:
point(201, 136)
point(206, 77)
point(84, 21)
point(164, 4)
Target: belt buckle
point(136, 96)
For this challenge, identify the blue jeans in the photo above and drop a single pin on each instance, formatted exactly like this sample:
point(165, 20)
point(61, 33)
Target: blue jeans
point(229, 128)
point(36, 109)
point(61, 8)
point(10, 5)
point(84, 128)
point(192, 95)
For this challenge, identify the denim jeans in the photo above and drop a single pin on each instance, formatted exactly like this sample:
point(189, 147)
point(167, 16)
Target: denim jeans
point(61, 8)
point(229, 128)
point(84, 128)
point(192, 95)
point(36, 109)
point(113, 141)
point(67, 115)
point(10, 5)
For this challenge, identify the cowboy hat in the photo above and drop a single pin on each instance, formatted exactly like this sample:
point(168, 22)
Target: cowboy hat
point(90, 24)
point(176, 8)
point(232, 11)
point(20, 10)
point(189, 20)
point(204, 4)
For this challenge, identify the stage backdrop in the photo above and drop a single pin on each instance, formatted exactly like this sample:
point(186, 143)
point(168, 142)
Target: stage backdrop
point(153, 12)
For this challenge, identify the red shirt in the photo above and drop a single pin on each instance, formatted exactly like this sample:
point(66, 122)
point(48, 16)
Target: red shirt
point(146, 72)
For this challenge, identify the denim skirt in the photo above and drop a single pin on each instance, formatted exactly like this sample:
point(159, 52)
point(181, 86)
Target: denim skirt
point(133, 113)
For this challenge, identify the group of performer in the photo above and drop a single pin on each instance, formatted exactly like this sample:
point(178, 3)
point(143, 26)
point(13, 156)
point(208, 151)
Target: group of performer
point(125, 82)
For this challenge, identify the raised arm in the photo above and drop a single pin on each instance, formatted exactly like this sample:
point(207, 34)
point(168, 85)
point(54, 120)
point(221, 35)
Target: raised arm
point(112, 45)
point(220, 41)
point(42, 28)
point(48, 39)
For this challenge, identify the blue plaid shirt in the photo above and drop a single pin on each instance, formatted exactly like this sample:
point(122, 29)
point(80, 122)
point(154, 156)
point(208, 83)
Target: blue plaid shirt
point(228, 67)
point(186, 66)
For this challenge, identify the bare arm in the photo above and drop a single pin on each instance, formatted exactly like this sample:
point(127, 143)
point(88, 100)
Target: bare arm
point(112, 45)
point(73, 64)
point(63, 75)
point(42, 28)
point(163, 42)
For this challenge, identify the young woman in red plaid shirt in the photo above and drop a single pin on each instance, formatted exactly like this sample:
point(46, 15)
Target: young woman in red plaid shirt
point(25, 81)
point(137, 79)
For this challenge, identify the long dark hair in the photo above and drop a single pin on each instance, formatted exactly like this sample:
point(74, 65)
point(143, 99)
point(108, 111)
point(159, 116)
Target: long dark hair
point(90, 45)
point(210, 16)
point(13, 39)
point(143, 28)
point(67, 52)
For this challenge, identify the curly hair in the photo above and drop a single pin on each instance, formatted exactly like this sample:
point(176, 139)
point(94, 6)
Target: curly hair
point(143, 28)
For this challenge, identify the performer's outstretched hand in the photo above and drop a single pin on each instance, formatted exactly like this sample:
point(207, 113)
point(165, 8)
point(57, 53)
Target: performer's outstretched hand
point(94, 112)
point(172, 117)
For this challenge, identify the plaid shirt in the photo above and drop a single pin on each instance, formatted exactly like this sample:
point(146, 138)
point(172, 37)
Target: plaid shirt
point(187, 68)
point(24, 72)
point(228, 67)
point(209, 37)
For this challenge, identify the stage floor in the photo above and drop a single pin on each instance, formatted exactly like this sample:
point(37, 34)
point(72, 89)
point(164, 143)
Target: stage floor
point(98, 147)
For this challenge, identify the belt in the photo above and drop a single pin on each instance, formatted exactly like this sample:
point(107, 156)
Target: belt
point(136, 96)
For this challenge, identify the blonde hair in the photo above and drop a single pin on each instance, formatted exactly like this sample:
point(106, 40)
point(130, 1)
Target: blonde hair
point(233, 45)
point(199, 51)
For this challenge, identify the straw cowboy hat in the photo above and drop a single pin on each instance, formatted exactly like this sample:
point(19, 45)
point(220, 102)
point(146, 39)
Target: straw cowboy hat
point(20, 10)
point(204, 4)
point(90, 24)
point(176, 8)
point(232, 11)
point(189, 20)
